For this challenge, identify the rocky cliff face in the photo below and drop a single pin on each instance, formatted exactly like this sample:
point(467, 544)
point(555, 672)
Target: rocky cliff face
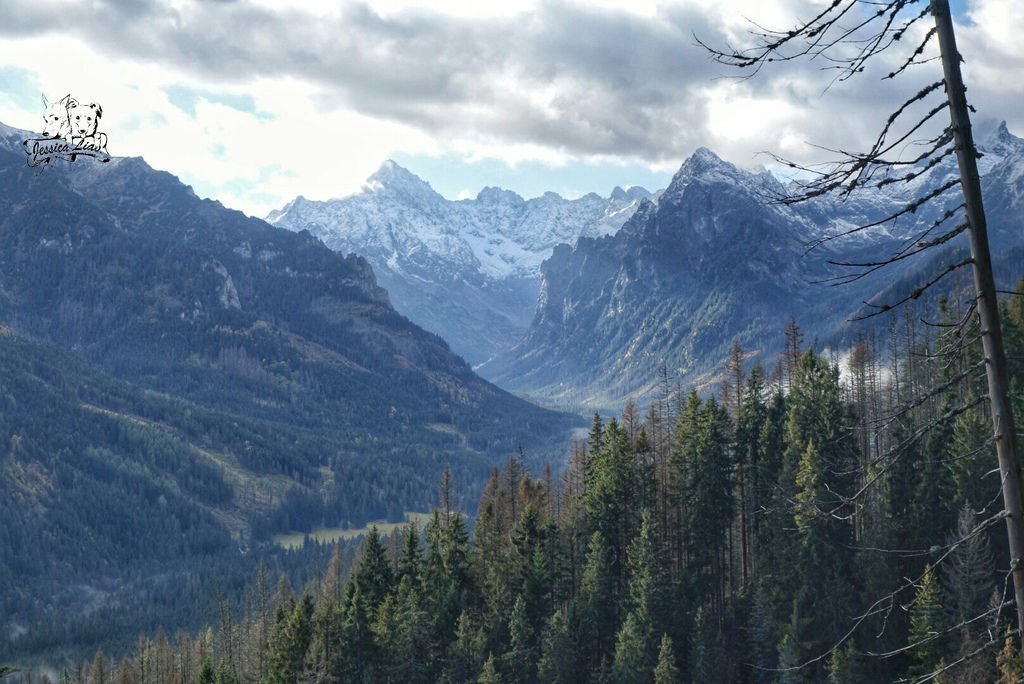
point(467, 270)
point(716, 259)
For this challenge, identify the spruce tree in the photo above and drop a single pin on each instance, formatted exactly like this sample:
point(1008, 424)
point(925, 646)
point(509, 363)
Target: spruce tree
point(648, 592)
point(401, 633)
point(290, 641)
point(410, 563)
point(357, 650)
point(607, 496)
point(206, 673)
point(705, 653)
point(520, 661)
point(632, 663)
point(374, 576)
point(823, 454)
point(490, 674)
point(968, 573)
point(666, 671)
point(927, 622)
point(466, 653)
point(557, 663)
point(595, 614)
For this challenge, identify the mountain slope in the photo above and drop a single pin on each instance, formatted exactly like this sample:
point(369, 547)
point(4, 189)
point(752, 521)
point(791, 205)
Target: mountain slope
point(254, 381)
point(716, 259)
point(128, 268)
point(467, 270)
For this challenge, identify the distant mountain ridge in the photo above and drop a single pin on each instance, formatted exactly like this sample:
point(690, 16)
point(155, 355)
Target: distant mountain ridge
point(716, 258)
point(467, 270)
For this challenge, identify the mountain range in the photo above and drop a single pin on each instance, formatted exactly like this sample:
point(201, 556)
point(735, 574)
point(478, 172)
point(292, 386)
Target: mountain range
point(718, 258)
point(625, 291)
point(468, 270)
point(180, 382)
point(173, 370)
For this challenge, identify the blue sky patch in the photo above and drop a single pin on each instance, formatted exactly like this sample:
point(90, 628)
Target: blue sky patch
point(22, 86)
point(186, 98)
point(452, 176)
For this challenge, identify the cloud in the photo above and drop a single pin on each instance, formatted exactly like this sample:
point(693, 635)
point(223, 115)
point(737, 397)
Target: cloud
point(327, 91)
point(579, 79)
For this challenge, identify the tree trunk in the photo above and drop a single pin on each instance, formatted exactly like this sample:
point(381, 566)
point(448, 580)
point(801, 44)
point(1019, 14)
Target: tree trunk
point(988, 308)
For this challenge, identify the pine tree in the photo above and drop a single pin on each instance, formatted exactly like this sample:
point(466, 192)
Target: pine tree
point(290, 641)
point(595, 613)
point(521, 659)
point(632, 664)
point(648, 591)
point(927, 622)
point(206, 673)
point(374, 576)
point(666, 671)
point(558, 653)
point(705, 654)
point(466, 653)
point(490, 674)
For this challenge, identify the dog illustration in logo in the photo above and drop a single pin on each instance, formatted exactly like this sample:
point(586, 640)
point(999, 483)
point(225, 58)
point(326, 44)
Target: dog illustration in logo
point(70, 130)
point(84, 120)
point(56, 123)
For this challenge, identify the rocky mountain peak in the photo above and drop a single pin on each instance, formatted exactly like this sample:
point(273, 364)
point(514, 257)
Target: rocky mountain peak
point(393, 179)
point(996, 140)
point(468, 269)
point(704, 165)
point(494, 195)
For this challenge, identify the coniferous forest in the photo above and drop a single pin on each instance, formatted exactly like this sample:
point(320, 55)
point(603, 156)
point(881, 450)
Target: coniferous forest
point(835, 519)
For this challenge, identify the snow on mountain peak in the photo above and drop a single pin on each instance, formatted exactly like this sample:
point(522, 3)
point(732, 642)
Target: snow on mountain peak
point(493, 195)
point(392, 178)
point(996, 140)
point(11, 137)
point(400, 222)
point(454, 266)
point(704, 165)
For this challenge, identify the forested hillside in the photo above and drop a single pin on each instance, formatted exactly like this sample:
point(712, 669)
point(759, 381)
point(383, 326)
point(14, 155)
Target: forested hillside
point(838, 522)
point(178, 383)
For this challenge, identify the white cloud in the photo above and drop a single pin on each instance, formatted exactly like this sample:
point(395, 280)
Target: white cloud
point(337, 88)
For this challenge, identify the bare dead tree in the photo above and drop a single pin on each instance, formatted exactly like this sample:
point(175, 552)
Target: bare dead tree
point(846, 36)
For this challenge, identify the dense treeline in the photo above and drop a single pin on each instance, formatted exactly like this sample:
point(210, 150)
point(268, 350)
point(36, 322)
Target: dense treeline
point(836, 521)
point(280, 348)
point(122, 509)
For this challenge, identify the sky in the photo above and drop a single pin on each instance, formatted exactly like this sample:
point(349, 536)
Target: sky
point(253, 102)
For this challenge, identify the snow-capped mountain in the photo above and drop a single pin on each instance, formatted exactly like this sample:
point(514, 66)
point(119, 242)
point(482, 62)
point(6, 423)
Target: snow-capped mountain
point(468, 270)
point(717, 259)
